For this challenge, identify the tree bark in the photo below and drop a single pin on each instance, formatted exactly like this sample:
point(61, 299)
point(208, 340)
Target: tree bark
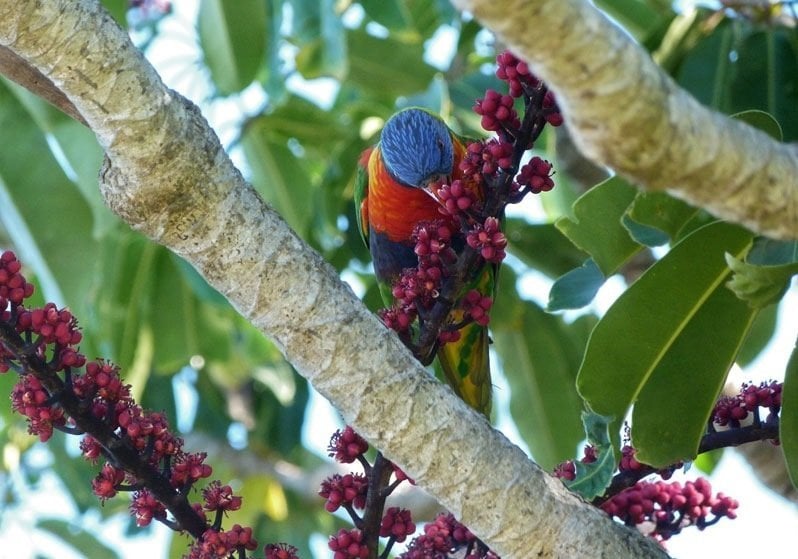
point(626, 113)
point(167, 175)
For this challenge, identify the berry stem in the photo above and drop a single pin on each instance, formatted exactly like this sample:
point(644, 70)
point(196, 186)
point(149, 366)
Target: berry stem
point(378, 477)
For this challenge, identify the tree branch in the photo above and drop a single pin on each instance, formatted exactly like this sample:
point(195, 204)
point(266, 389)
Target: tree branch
point(626, 113)
point(167, 175)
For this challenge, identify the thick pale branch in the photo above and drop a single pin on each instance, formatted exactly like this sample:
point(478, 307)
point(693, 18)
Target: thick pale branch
point(626, 113)
point(167, 175)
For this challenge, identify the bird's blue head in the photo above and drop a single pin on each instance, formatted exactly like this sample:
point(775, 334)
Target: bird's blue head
point(416, 147)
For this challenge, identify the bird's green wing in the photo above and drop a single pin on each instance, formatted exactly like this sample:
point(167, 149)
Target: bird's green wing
point(361, 194)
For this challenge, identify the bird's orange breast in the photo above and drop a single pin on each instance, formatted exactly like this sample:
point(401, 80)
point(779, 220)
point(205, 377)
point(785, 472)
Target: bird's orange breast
point(395, 209)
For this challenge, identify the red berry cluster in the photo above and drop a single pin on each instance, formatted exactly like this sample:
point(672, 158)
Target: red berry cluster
point(397, 524)
point(29, 398)
point(446, 537)
point(483, 160)
point(516, 73)
point(498, 112)
point(488, 239)
point(419, 287)
point(350, 492)
point(221, 544)
point(567, 470)
point(347, 446)
point(281, 551)
point(455, 198)
point(732, 411)
point(521, 81)
point(534, 178)
point(13, 286)
point(41, 345)
point(476, 306)
point(667, 508)
point(348, 544)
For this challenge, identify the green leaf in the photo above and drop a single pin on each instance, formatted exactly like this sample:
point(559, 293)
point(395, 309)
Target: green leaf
point(323, 51)
point(638, 17)
point(596, 226)
point(577, 288)
point(592, 478)
point(304, 121)
point(662, 212)
point(280, 177)
point(670, 415)
point(707, 67)
point(788, 421)
point(644, 234)
point(542, 247)
point(760, 286)
point(43, 212)
point(645, 323)
point(762, 121)
point(765, 77)
point(387, 67)
point(539, 358)
point(175, 331)
point(392, 14)
point(77, 537)
point(759, 335)
point(233, 40)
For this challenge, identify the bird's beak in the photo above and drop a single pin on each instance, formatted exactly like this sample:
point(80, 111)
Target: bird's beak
point(434, 183)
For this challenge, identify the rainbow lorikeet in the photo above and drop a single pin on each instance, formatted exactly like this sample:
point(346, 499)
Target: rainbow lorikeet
point(394, 192)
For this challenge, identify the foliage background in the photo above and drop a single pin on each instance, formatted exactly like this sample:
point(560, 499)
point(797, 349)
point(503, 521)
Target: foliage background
point(297, 89)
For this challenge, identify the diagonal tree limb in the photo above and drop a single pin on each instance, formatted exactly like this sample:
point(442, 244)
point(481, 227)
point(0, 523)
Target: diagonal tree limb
point(624, 112)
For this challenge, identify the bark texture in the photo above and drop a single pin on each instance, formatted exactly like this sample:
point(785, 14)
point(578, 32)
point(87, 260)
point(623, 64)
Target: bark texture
point(626, 113)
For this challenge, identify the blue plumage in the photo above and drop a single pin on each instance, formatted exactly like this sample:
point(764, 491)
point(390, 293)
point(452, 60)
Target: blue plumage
point(416, 145)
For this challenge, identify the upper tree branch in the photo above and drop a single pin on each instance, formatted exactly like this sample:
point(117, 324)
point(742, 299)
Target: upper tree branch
point(626, 113)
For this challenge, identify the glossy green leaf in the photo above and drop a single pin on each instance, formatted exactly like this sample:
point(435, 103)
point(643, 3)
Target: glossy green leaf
point(577, 288)
point(323, 53)
point(762, 121)
point(707, 67)
point(542, 247)
point(644, 234)
point(760, 333)
point(760, 286)
point(592, 478)
point(788, 421)
point(540, 360)
point(387, 66)
point(639, 17)
point(662, 212)
point(765, 76)
point(118, 9)
point(636, 334)
point(304, 121)
point(43, 212)
point(671, 413)
point(280, 177)
point(233, 40)
point(392, 14)
point(765, 274)
point(596, 226)
point(175, 332)
point(79, 154)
